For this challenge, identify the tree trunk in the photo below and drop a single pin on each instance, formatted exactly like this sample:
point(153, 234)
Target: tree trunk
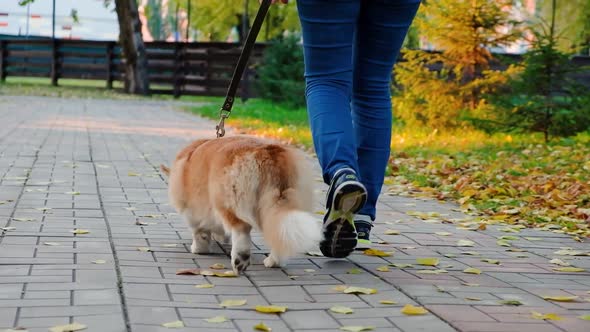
point(136, 75)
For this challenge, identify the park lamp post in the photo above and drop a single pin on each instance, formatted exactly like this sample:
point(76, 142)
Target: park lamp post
point(53, 21)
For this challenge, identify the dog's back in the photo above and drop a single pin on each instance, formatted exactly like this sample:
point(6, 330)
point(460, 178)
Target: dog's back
point(246, 182)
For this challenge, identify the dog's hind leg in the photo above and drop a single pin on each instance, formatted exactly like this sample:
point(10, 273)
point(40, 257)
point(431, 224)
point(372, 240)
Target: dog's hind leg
point(274, 260)
point(240, 240)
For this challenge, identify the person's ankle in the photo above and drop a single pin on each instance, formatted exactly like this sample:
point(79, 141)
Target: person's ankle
point(363, 218)
point(341, 171)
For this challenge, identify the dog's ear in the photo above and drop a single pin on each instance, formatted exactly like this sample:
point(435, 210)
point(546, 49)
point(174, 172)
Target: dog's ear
point(165, 170)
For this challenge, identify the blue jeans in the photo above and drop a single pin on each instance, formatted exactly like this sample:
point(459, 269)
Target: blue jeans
point(350, 47)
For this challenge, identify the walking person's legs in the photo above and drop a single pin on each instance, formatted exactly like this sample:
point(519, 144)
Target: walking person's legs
point(350, 47)
point(328, 34)
point(381, 29)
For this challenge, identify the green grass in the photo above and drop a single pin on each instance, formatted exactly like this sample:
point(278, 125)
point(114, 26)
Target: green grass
point(75, 88)
point(264, 118)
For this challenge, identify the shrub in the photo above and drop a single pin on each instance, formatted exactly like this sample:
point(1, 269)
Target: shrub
point(280, 74)
point(544, 97)
point(439, 90)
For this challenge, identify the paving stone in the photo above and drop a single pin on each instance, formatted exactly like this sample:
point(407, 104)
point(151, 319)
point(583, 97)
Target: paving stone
point(459, 313)
point(502, 327)
point(309, 320)
point(44, 322)
point(96, 297)
point(107, 139)
point(7, 316)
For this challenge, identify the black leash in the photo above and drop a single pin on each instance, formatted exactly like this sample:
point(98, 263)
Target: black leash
point(239, 71)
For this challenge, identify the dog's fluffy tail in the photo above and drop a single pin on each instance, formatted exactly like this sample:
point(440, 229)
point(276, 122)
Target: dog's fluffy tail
point(165, 170)
point(289, 230)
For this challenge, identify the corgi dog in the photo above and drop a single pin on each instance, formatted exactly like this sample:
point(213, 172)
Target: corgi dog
point(232, 185)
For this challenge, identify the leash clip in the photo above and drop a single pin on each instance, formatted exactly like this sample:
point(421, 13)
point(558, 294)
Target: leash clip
point(223, 114)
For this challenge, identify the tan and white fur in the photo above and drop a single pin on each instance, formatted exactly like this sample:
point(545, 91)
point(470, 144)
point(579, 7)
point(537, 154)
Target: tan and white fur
point(229, 186)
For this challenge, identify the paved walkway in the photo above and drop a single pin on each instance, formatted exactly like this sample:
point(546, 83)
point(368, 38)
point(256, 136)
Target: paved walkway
point(92, 165)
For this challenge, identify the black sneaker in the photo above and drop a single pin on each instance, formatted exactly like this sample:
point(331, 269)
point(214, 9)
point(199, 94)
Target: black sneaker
point(346, 196)
point(363, 229)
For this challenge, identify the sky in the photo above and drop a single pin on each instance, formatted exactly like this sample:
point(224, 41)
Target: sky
point(96, 21)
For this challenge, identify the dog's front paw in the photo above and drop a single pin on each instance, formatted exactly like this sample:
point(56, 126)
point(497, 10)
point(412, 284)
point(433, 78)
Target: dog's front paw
point(271, 262)
point(240, 262)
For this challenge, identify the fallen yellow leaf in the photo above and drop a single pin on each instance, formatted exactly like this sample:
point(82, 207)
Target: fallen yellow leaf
point(270, 309)
point(472, 299)
point(24, 219)
point(569, 269)
point(153, 216)
point(376, 252)
point(357, 328)
point(224, 274)
point(99, 261)
point(538, 315)
point(262, 327)
point(217, 266)
point(570, 252)
point(561, 298)
point(73, 193)
point(392, 232)
point(354, 271)
point(443, 233)
point(427, 261)
point(205, 286)
point(387, 302)
point(80, 231)
point(144, 249)
point(401, 265)
point(465, 243)
point(177, 324)
point(584, 317)
point(340, 288)
point(503, 243)
point(359, 290)
point(559, 262)
point(533, 238)
point(232, 303)
point(216, 319)
point(472, 270)
point(409, 309)
point(68, 327)
point(51, 243)
point(383, 269)
point(341, 310)
point(491, 261)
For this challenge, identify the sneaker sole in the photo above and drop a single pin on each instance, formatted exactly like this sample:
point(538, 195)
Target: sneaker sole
point(340, 236)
